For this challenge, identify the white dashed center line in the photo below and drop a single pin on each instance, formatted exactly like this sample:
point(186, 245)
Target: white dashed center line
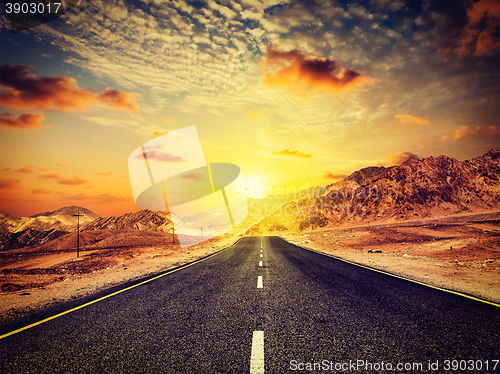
point(261, 255)
point(257, 358)
point(259, 282)
point(260, 263)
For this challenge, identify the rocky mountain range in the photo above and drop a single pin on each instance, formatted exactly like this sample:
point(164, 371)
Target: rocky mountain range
point(431, 187)
point(18, 232)
point(142, 220)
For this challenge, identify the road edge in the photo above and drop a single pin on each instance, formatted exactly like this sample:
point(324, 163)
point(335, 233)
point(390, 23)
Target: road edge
point(136, 283)
point(462, 294)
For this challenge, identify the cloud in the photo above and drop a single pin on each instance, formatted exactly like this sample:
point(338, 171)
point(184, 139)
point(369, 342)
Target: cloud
point(298, 73)
point(405, 118)
point(26, 169)
point(8, 183)
point(194, 176)
point(163, 157)
point(169, 119)
point(254, 115)
point(41, 191)
point(287, 152)
point(103, 198)
point(75, 181)
point(108, 174)
point(50, 176)
point(494, 130)
point(157, 134)
point(481, 32)
point(329, 175)
point(398, 158)
point(24, 91)
point(461, 132)
point(464, 131)
point(24, 121)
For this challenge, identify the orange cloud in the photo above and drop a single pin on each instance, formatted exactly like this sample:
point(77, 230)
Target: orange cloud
point(494, 130)
point(8, 183)
point(254, 115)
point(41, 191)
point(298, 73)
point(409, 118)
point(75, 181)
point(50, 176)
point(157, 134)
point(24, 121)
point(26, 169)
point(169, 119)
point(461, 132)
point(287, 152)
point(481, 32)
point(21, 90)
point(101, 198)
point(329, 175)
point(398, 158)
point(108, 174)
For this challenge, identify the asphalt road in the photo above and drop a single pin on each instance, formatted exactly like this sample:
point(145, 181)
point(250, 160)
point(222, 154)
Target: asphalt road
point(212, 317)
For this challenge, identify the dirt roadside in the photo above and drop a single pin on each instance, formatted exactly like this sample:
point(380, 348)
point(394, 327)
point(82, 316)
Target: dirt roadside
point(459, 255)
point(32, 281)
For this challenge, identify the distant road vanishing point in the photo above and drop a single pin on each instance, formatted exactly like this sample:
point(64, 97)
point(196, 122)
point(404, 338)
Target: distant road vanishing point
point(261, 305)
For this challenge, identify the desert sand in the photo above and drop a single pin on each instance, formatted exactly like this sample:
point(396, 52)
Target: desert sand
point(32, 280)
point(461, 253)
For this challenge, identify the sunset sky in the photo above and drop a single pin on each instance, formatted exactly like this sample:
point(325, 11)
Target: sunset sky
point(296, 93)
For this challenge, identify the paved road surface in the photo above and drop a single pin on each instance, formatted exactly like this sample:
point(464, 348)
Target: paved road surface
point(227, 314)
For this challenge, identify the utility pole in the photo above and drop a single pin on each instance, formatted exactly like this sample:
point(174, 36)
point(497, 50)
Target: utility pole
point(173, 234)
point(78, 233)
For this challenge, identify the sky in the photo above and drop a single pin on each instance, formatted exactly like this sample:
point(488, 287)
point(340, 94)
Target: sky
point(296, 93)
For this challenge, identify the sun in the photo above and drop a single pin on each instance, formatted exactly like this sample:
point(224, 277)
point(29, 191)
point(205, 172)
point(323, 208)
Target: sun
point(254, 188)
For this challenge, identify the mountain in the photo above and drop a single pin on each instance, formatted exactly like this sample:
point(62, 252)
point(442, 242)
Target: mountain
point(18, 232)
point(142, 220)
point(431, 187)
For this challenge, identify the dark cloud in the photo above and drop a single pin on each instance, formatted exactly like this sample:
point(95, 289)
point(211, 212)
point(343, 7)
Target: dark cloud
point(24, 121)
point(22, 90)
point(299, 73)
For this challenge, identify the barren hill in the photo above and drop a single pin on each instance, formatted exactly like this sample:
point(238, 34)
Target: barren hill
point(44, 228)
point(143, 220)
point(432, 187)
point(17, 232)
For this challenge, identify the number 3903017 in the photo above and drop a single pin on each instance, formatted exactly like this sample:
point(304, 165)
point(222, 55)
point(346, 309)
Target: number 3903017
point(33, 8)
